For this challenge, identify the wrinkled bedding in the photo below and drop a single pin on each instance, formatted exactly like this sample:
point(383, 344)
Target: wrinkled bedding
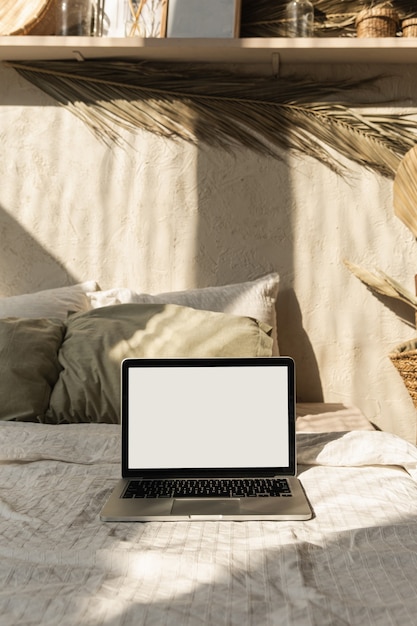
point(354, 563)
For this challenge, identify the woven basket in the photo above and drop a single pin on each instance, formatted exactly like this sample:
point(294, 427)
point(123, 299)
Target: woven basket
point(409, 27)
point(27, 17)
point(377, 22)
point(404, 357)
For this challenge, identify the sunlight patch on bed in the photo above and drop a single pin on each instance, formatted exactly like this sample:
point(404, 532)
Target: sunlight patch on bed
point(157, 573)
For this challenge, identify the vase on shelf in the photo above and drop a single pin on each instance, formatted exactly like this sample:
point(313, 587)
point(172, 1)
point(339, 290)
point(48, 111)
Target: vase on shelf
point(73, 17)
point(299, 18)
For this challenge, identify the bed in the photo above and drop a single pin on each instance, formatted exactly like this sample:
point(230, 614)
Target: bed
point(355, 562)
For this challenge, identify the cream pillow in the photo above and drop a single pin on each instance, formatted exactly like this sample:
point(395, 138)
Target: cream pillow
point(255, 298)
point(55, 303)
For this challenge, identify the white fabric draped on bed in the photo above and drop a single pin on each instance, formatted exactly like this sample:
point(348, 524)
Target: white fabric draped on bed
point(354, 563)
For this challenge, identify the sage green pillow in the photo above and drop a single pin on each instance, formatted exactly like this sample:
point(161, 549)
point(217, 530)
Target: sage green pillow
point(88, 388)
point(29, 366)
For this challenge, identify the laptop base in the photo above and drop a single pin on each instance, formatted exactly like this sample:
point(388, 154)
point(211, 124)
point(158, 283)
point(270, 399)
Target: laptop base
point(118, 509)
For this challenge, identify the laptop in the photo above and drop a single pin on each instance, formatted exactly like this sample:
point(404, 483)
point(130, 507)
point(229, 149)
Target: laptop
point(208, 439)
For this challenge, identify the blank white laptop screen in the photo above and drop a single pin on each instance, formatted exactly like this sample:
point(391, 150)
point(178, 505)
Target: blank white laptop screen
point(208, 417)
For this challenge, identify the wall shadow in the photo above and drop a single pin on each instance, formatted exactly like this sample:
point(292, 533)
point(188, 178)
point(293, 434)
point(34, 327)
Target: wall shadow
point(251, 238)
point(17, 275)
point(296, 343)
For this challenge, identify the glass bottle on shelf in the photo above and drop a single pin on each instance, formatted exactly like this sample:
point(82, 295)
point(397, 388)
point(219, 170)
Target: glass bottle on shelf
point(73, 17)
point(299, 18)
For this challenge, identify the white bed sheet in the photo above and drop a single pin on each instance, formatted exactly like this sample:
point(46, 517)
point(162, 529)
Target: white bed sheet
point(354, 563)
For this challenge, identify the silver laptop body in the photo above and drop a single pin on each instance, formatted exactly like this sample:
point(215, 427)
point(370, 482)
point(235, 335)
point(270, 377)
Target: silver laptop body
point(207, 420)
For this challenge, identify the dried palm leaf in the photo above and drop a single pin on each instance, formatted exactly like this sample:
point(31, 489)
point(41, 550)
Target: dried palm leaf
point(220, 108)
point(383, 284)
point(405, 191)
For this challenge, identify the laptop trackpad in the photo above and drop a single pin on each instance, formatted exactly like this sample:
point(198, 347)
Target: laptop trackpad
point(197, 506)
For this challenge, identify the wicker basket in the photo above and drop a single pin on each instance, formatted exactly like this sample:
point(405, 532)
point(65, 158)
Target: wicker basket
point(409, 27)
point(27, 17)
point(404, 357)
point(377, 22)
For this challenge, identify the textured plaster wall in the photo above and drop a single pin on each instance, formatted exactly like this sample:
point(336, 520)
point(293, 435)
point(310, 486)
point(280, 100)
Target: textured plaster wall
point(164, 216)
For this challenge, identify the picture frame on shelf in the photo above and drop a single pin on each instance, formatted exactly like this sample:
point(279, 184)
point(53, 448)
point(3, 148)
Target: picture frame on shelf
point(202, 18)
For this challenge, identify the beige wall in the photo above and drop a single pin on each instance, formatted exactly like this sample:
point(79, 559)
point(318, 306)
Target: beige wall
point(163, 216)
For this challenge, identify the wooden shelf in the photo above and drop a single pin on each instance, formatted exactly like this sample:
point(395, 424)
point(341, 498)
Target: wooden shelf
point(253, 50)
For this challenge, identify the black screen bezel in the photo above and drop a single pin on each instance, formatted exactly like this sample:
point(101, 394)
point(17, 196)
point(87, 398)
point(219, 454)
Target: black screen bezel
point(280, 361)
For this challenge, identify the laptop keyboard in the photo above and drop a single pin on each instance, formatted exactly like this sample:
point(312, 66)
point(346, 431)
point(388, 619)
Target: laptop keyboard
point(206, 488)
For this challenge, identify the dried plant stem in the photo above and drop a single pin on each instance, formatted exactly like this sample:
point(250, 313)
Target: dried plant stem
point(135, 15)
point(383, 284)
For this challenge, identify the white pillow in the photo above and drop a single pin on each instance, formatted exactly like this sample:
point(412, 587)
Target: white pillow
point(55, 303)
point(255, 298)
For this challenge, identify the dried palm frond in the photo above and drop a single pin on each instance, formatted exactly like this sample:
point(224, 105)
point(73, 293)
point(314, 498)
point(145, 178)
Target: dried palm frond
point(220, 108)
point(383, 284)
point(332, 18)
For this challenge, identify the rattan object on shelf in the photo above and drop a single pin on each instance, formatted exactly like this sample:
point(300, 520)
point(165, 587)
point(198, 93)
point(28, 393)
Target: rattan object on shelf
point(27, 17)
point(377, 22)
point(409, 27)
point(404, 358)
